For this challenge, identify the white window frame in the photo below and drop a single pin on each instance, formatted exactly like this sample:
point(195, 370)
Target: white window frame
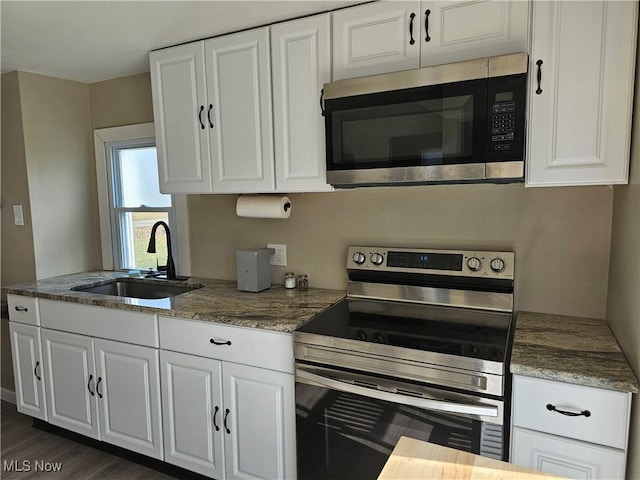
point(103, 139)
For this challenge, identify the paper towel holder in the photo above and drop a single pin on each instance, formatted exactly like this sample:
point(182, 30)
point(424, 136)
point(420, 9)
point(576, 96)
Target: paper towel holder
point(263, 206)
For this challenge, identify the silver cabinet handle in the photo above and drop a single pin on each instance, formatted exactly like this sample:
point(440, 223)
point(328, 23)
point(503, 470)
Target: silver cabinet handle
point(436, 405)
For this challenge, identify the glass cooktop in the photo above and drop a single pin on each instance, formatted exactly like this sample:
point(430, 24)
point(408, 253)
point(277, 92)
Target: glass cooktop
point(454, 331)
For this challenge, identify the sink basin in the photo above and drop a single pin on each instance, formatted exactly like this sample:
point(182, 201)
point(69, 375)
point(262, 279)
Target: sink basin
point(135, 289)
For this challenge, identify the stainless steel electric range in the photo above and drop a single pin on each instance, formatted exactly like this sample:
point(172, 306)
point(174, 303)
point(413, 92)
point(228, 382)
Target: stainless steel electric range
point(419, 347)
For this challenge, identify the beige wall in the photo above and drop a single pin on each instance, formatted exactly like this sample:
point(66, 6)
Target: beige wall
point(18, 264)
point(122, 101)
point(61, 172)
point(560, 235)
point(623, 305)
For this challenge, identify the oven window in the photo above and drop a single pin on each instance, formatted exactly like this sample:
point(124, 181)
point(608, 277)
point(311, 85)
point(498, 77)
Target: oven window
point(347, 436)
point(427, 126)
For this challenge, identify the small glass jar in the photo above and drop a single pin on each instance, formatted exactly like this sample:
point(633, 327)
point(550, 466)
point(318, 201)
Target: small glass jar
point(289, 280)
point(303, 282)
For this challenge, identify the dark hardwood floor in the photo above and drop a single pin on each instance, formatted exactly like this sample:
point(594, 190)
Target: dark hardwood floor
point(34, 451)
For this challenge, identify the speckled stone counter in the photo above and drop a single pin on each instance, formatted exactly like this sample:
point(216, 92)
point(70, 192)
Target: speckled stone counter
point(574, 350)
point(218, 301)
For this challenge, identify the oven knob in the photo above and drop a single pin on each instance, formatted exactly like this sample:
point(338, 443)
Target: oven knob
point(377, 258)
point(359, 258)
point(497, 265)
point(378, 337)
point(474, 264)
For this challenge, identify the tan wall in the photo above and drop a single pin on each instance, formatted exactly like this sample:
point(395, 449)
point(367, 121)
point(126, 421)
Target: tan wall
point(561, 236)
point(61, 172)
point(122, 101)
point(18, 264)
point(623, 312)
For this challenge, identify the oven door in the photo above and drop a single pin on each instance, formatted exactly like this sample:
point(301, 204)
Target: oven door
point(348, 423)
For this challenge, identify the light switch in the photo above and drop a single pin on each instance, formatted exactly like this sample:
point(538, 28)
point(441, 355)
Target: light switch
point(18, 218)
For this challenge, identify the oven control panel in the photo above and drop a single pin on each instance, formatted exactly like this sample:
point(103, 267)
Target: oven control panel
point(467, 263)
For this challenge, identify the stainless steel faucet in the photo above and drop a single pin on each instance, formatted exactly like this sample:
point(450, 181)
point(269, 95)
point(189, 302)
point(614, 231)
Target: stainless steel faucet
point(170, 267)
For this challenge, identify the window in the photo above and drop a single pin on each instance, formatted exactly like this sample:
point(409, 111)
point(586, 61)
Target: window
point(130, 202)
point(137, 204)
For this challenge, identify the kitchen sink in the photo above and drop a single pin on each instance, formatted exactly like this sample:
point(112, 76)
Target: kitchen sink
point(136, 289)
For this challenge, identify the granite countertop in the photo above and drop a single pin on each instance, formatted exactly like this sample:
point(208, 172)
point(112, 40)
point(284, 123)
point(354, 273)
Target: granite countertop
point(219, 301)
point(576, 350)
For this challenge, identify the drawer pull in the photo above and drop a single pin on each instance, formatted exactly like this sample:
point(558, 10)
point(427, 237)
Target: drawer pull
point(552, 408)
point(89, 385)
point(98, 386)
point(20, 308)
point(215, 342)
point(226, 414)
point(411, 41)
point(215, 414)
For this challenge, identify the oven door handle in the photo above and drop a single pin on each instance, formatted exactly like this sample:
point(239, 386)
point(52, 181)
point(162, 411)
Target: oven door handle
point(428, 404)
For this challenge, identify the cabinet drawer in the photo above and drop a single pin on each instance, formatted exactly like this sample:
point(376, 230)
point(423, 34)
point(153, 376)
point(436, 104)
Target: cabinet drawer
point(23, 309)
point(249, 346)
point(606, 424)
point(565, 457)
point(110, 323)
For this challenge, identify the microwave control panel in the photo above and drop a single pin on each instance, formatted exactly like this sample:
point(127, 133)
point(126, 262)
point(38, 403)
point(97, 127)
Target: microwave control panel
point(503, 122)
point(506, 116)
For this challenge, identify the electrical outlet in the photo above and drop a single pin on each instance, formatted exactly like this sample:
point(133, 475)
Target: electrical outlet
point(280, 257)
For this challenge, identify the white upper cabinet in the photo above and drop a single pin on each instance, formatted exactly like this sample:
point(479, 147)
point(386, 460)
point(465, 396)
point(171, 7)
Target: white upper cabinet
point(301, 65)
point(390, 36)
point(580, 109)
point(463, 30)
point(239, 111)
point(376, 38)
point(179, 99)
point(212, 112)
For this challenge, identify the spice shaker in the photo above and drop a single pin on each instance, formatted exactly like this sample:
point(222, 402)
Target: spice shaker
point(303, 282)
point(289, 280)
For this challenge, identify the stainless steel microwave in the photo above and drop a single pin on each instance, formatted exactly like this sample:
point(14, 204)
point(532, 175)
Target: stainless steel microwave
point(455, 123)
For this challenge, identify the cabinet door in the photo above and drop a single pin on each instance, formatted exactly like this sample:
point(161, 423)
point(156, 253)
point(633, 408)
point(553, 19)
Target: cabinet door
point(300, 52)
point(128, 391)
point(70, 380)
point(180, 113)
point(239, 89)
point(464, 30)
point(376, 38)
point(580, 111)
point(192, 412)
point(565, 457)
point(259, 422)
point(26, 353)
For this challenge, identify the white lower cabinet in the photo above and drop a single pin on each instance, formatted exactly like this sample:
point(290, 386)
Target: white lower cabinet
point(104, 390)
point(222, 418)
point(566, 457)
point(192, 412)
point(569, 430)
point(26, 353)
point(258, 408)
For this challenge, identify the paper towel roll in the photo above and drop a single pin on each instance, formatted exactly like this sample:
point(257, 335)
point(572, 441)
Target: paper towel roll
point(263, 206)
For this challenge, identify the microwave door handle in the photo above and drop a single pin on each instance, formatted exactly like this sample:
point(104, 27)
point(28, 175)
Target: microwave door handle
point(435, 405)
